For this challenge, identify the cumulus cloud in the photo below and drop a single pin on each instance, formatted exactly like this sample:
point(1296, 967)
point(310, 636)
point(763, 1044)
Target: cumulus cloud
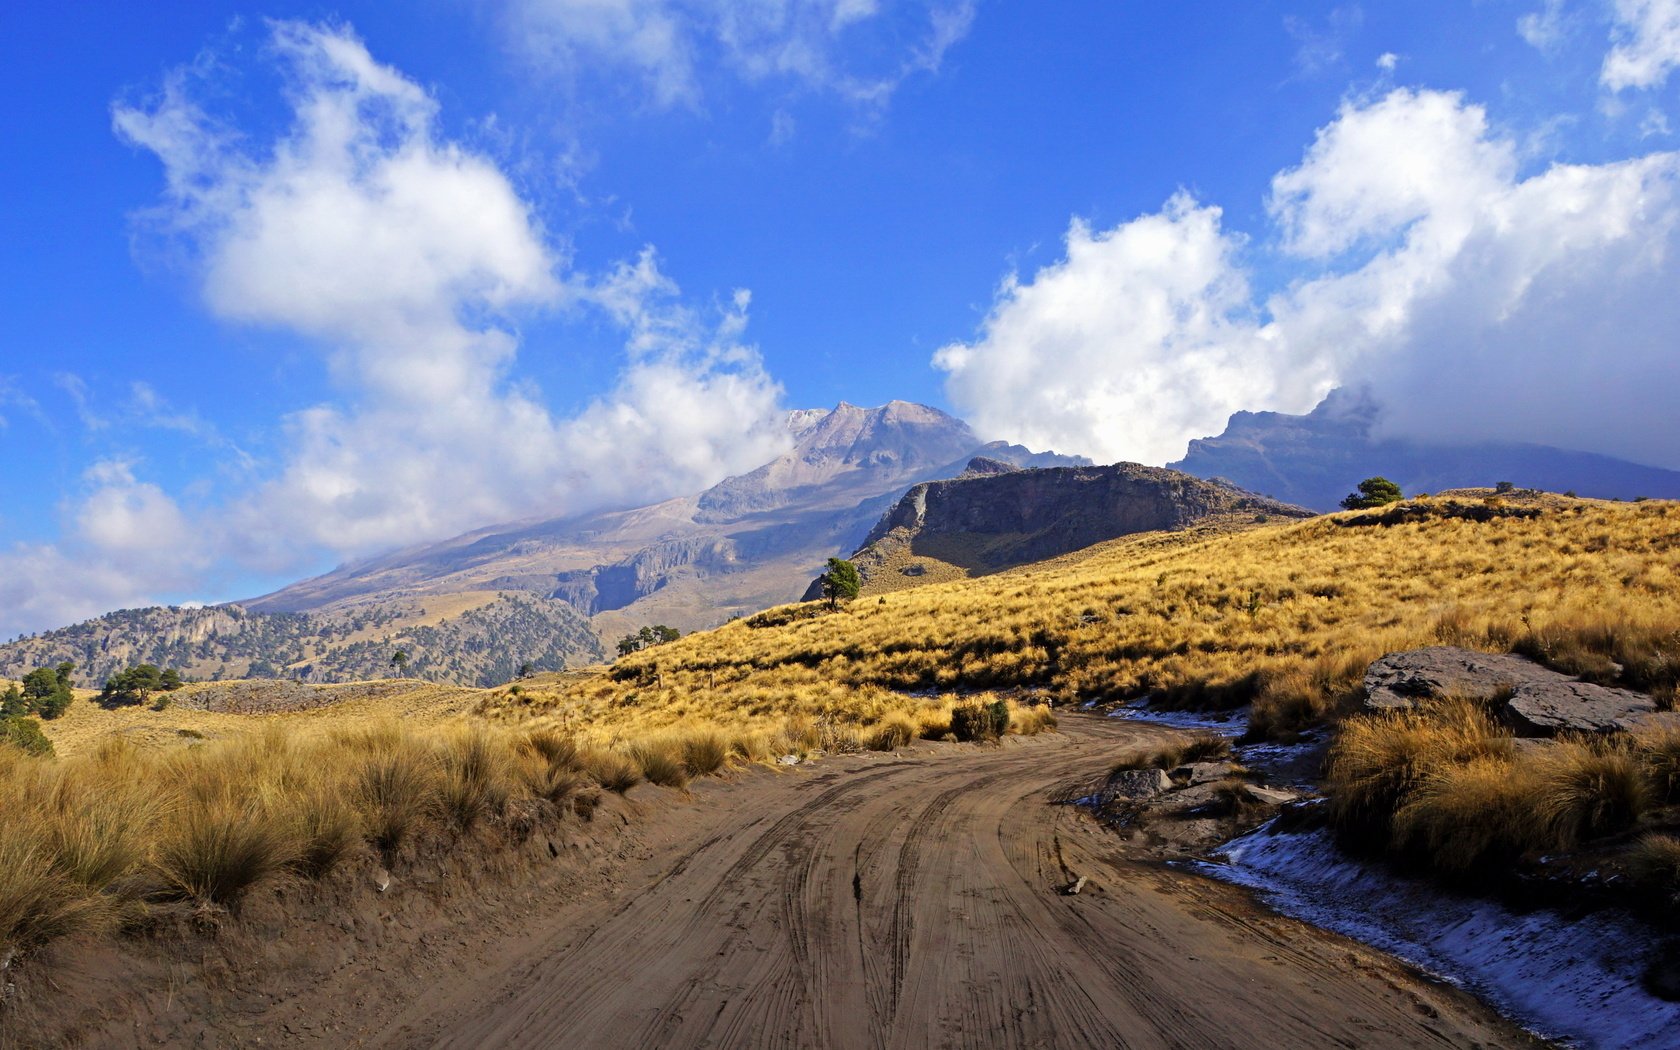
point(861, 50)
point(125, 541)
point(1476, 303)
point(1140, 336)
point(1646, 44)
point(408, 260)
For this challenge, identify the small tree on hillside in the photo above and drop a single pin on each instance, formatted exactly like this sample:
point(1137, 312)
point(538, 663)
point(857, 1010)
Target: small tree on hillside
point(46, 690)
point(841, 582)
point(647, 638)
point(399, 661)
point(1373, 492)
point(136, 684)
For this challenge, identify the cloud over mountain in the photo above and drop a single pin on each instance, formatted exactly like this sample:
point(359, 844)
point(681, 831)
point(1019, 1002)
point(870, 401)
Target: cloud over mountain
point(1476, 300)
point(407, 260)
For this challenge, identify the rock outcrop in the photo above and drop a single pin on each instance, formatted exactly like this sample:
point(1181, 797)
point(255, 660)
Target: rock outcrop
point(1534, 700)
point(988, 519)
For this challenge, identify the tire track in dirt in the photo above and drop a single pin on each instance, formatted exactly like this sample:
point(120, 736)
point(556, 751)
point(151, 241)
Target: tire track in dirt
point(914, 901)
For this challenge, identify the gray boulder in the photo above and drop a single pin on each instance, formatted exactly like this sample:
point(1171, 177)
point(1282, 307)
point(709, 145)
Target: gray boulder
point(1195, 773)
point(1534, 700)
point(1396, 681)
point(1137, 784)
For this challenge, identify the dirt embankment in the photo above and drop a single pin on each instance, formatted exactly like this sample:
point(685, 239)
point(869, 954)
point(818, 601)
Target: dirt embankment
point(872, 901)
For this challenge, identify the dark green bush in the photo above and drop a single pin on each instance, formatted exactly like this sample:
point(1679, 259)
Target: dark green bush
point(980, 721)
point(24, 734)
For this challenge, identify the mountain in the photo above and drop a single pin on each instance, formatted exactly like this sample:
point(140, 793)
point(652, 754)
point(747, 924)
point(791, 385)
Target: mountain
point(996, 516)
point(1318, 458)
point(474, 639)
point(549, 591)
point(748, 542)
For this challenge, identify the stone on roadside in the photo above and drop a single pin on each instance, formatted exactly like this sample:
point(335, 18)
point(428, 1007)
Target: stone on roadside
point(1268, 796)
point(1138, 784)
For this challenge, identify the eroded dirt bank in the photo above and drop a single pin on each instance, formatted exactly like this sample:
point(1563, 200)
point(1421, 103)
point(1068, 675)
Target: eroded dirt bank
point(868, 901)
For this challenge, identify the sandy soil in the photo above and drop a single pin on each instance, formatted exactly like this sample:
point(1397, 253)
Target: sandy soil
point(867, 901)
point(915, 901)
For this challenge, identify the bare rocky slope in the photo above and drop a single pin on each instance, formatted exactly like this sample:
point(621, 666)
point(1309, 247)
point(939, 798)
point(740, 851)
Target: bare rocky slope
point(1316, 459)
point(474, 640)
point(746, 543)
point(550, 591)
point(997, 516)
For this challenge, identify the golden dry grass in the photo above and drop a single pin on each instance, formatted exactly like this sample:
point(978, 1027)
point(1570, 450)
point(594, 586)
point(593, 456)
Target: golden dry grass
point(1286, 617)
point(1444, 784)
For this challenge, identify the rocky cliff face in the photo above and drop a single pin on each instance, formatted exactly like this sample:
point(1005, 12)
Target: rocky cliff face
point(994, 517)
point(1318, 458)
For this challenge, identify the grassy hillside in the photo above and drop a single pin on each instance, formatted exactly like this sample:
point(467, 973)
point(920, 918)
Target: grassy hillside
point(200, 802)
point(1286, 617)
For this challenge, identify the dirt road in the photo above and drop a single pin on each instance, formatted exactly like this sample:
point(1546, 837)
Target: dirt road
point(903, 901)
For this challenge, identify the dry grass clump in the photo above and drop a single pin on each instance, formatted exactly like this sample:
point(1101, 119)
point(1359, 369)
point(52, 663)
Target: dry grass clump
point(476, 776)
point(1587, 789)
point(610, 769)
point(1192, 747)
point(216, 849)
point(661, 761)
point(396, 781)
point(1445, 785)
point(1031, 721)
point(1462, 816)
point(1654, 863)
point(1378, 762)
point(1659, 753)
point(705, 751)
point(980, 720)
point(893, 732)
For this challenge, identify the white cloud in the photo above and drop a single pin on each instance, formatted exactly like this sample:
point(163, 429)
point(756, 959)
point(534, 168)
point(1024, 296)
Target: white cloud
point(1496, 307)
point(408, 260)
point(124, 540)
point(1544, 29)
point(1477, 304)
point(1142, 337)
point(1646, 44)
point(853, 48)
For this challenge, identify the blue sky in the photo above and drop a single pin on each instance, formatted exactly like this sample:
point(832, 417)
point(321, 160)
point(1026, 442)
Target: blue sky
point(296, 283)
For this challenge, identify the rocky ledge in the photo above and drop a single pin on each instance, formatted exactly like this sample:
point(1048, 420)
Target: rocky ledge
point(1534, 701)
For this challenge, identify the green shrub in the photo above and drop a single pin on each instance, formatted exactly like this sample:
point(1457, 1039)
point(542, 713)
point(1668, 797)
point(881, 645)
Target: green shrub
point(1373, 492)
point(25, 735)
point(976, 721)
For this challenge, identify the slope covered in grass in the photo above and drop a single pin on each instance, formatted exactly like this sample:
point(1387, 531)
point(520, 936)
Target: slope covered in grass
point(1287, 617)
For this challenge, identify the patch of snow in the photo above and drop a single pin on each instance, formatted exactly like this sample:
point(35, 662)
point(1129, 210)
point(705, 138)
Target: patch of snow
point(1577, 981)
point(1225, 723)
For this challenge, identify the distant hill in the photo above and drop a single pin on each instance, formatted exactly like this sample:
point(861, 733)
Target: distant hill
point(995, 517)
point(480, 639)
point(1318, 458)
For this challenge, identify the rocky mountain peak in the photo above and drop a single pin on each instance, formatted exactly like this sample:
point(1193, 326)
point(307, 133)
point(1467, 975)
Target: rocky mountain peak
point(894, 441)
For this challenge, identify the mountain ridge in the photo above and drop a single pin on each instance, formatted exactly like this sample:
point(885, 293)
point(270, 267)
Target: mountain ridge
point(1315, 459)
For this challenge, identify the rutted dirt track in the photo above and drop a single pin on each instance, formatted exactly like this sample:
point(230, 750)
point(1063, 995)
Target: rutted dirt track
point(912, 901)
